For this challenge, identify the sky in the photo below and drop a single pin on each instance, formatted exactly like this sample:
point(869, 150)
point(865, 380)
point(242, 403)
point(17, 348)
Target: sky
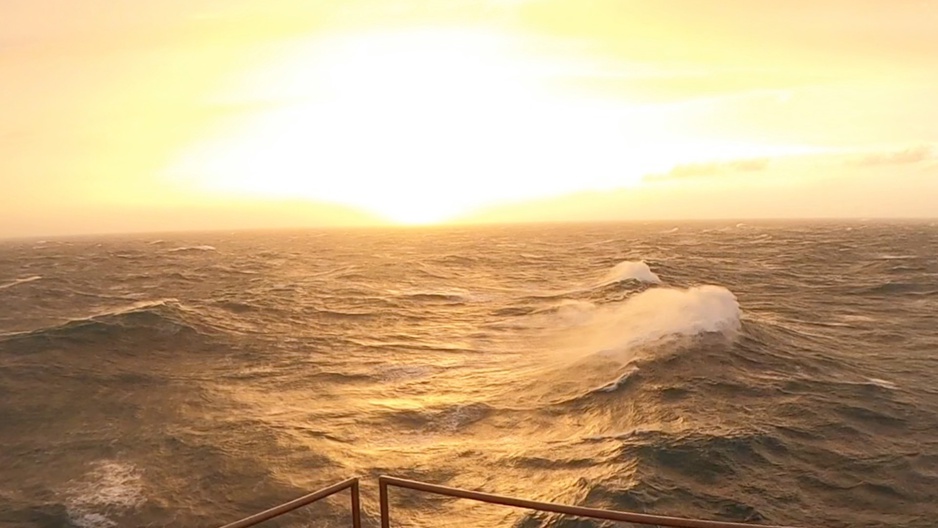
point(119, 116)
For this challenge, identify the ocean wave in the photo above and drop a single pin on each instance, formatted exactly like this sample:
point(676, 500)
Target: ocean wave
point(109, 489)
point(442, 296)
point(899, 288)
point(631, 270)
point(616, 347)
point(881, 383)
point(164, 317)
point(575, 377)
point(20, 281)
point(187, 249)
point(611, 282)
point(456, 260)
point(238, 307)
point(701, 457)
point(394, 374)
point(447, 419)
point(431, 271)
point(651, 316)
point(622, 381)
point(567, 312)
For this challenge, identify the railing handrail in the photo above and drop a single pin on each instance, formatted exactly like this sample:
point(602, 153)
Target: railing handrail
point(610, 515)
point(385, 482)
point(351, 484)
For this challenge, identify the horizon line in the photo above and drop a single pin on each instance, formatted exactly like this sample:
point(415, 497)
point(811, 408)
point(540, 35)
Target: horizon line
point(470, 225)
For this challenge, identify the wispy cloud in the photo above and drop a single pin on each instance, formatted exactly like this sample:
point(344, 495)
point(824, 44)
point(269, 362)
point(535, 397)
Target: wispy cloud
point(899, 157)
point(705, 170)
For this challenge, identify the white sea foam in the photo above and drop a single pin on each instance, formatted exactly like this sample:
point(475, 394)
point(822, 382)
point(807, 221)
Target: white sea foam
point(136, 306)
point(611, 387)
point(636, 270)
point(646, 318)
point(882, 383)
point(109, 488)
point(20, 281)
point(191, 248)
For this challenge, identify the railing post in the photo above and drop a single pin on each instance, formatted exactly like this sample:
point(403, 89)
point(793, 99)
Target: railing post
point(383, 498)
point(305, 500)
point(356, 505)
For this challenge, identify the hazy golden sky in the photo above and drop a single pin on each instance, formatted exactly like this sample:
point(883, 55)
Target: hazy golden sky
point(118, 115)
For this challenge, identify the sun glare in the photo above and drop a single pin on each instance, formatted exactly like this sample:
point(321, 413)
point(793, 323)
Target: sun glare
point(417, 127)
point(421, 127)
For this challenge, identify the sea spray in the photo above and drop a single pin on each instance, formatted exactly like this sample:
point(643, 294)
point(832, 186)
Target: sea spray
point(646, 318)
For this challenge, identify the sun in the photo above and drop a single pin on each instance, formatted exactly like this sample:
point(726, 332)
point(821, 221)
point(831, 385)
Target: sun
point(417, 127)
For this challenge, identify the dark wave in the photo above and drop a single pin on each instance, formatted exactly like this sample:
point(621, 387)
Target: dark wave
point(447, 419)
point(900, 288)
point(157, 319)
point(436, 297)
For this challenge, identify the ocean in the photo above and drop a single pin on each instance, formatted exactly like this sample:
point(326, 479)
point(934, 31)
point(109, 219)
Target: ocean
point(769, 372)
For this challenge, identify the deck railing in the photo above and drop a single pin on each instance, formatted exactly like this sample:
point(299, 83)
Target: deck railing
point(593, 513)
point(385, 482)
point(266, 515)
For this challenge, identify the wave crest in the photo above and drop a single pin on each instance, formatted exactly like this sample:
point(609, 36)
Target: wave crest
point(652, 316)
point(631, 270)
point(20, 281)
point(165, 317)
point(188, 249)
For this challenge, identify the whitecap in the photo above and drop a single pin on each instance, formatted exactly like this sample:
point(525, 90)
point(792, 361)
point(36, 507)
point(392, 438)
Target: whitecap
point(191, 248)
point(20, 281)
point(631, 270)
point(109, 488)
point(882, 383)
point(647, 318)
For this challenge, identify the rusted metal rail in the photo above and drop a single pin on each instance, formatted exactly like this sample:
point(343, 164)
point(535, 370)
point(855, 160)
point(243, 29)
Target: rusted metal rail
point(350, 484)
point(385, 482)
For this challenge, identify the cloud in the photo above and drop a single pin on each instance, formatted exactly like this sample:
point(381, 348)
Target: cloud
point(899, 157)
point(704, 170)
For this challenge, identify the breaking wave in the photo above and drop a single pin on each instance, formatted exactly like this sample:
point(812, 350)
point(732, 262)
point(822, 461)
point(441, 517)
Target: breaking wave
point(631, 270)
point(186, 249)
point(651, 316)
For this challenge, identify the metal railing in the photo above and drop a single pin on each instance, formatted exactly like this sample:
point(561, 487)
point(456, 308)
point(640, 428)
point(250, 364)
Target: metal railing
point(350, 484)
point(594, 513)
point(385, 482)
